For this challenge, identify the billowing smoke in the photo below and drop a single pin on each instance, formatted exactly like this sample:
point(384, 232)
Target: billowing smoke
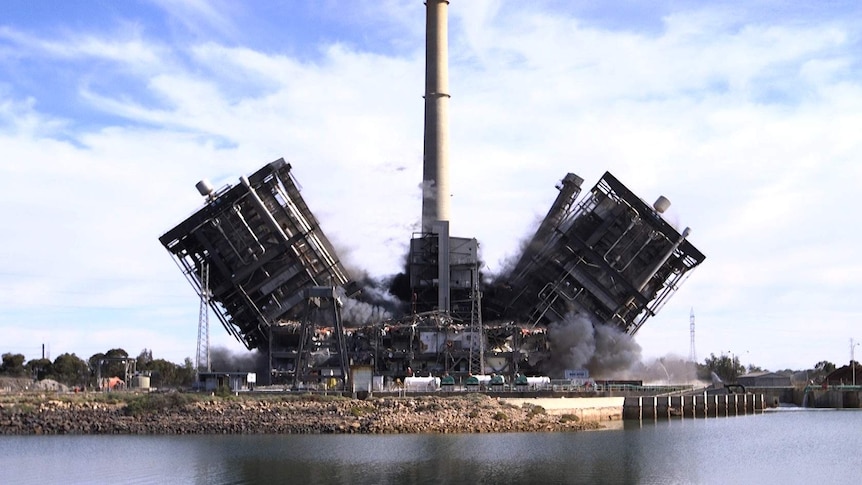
point(374, 303)
point(577, 343)
point(223, 360)
point(359, 313)
point(670, 369)
point(510, 261)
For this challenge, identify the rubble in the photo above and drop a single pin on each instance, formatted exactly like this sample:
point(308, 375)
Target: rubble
point(201, 414)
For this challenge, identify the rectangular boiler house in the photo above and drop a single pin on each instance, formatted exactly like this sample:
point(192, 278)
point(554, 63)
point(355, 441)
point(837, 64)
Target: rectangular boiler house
point(262, 247)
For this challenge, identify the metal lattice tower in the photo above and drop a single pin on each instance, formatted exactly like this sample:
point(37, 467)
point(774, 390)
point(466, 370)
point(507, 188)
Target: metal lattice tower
point(203, 354)
point(692, 354)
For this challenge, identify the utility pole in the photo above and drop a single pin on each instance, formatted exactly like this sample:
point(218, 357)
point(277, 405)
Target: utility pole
point(692, 355)
point(852, 361)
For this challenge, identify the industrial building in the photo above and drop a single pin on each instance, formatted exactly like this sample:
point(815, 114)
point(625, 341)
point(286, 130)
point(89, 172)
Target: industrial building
point(611, 256)
point(257, 257)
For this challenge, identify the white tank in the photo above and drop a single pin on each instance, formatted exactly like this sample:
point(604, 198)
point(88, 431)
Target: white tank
point(205, 187)
point(661, 204)
point(421, 383)
point(539, 382)
point(141, 382)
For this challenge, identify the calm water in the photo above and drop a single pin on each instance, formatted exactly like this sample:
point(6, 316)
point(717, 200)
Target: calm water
point(785, 446)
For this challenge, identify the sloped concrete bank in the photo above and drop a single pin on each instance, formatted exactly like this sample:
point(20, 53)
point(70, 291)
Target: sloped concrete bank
point(589, 409)
point(180, 414)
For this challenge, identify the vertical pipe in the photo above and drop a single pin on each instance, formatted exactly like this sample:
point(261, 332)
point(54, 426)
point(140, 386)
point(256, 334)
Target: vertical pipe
point(441, 229)
point(435, 174)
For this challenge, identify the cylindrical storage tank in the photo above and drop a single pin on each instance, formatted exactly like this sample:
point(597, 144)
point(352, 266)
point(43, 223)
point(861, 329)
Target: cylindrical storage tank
point(141, 382)
point(418, 384)
point(661, 204)
point(204, 187)
point(539, 382)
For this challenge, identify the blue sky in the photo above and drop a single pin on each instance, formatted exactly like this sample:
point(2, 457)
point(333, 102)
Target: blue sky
point(745, 115)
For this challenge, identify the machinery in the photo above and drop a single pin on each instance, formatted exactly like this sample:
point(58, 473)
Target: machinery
point(257, 256)
point(610, 256)
point(266, 260)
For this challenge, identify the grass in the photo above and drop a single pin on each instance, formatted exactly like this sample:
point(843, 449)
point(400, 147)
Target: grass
point(157, 403)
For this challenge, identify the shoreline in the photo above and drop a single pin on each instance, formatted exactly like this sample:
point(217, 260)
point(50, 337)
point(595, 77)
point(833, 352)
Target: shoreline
point(178, 413)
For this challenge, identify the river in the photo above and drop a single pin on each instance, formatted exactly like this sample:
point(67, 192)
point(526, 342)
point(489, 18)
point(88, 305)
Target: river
point(782, 446)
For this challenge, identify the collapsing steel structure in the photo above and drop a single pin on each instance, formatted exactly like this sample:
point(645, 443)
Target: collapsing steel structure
point(264, 254)
point(610, 256)
point(276, 284)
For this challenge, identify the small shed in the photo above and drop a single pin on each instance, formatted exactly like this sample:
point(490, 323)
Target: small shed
point(235, 381)
point(362, 378)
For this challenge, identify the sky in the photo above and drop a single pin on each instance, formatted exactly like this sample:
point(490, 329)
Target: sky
point(746, 115)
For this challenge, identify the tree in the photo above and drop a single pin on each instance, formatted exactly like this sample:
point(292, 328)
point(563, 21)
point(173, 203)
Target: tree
point(144, 358)
point(114, 366)
point(188, 372)
point(93, 363)
point(165, 374)
point(40, 368)
point(71, 370)
point(820, 371)
point(754, 368)
point(109, 364)
point(726, 368)
point(117, 353)
point(13, 365)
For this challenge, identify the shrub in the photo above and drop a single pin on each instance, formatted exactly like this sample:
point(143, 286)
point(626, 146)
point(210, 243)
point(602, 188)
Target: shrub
point(357, 411)
point(536, 411)
point(223, 391)
point(151, 403)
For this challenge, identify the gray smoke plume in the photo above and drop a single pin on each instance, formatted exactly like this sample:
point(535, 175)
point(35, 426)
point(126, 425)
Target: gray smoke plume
point(223, 360)
point(578, 343)
point(373, 304)
point(358, 313)
point(670, 369)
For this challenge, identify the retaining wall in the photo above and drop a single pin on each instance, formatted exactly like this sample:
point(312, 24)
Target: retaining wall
point(695, 406)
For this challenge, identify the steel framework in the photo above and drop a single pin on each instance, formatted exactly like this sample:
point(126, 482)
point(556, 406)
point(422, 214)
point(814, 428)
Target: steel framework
point(611, 256)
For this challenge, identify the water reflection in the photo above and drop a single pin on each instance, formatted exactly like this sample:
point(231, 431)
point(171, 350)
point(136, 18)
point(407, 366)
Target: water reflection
point(775, 447)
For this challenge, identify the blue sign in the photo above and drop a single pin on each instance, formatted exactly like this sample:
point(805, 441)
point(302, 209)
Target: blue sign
point(572, 374)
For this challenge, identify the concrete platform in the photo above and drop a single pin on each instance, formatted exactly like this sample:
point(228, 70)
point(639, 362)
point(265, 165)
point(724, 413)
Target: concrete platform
point(587, 409)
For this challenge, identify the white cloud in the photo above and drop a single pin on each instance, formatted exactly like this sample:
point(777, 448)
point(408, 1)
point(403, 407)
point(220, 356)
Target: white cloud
point(127, 49)
point(201, 17)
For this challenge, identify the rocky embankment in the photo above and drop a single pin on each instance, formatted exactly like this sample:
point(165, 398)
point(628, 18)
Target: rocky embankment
point(178, 413)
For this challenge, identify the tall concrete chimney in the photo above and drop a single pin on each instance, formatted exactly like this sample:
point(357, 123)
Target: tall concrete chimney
point(435, 173)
